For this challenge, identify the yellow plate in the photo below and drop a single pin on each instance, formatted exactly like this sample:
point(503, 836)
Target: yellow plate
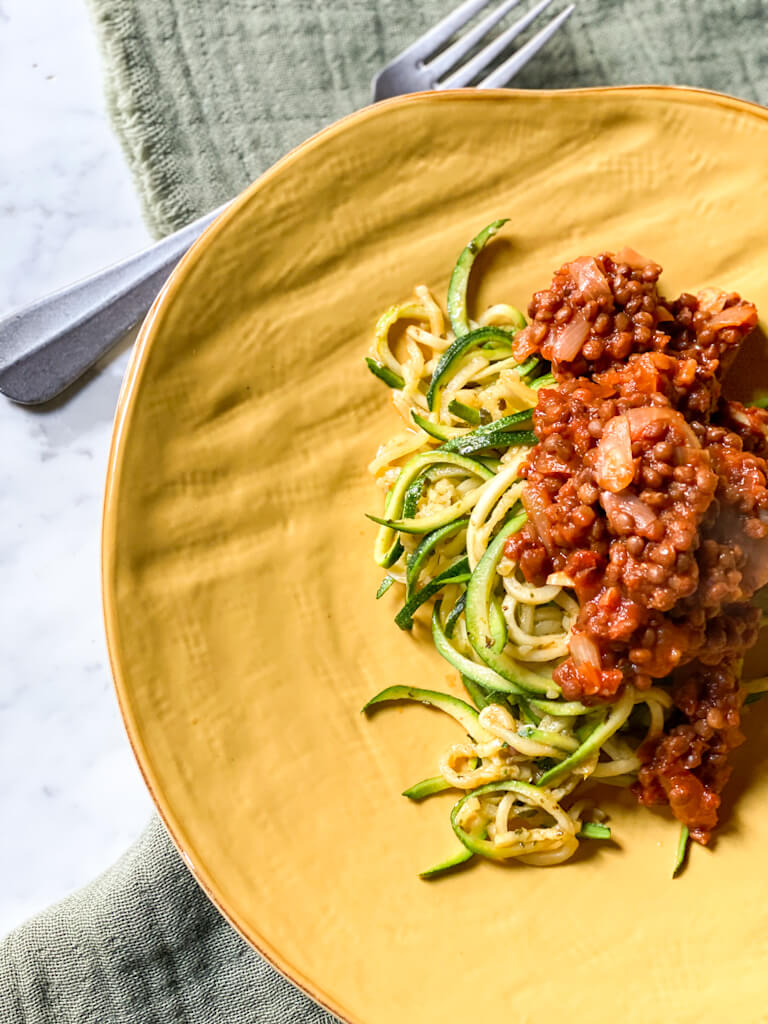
point(239, 584)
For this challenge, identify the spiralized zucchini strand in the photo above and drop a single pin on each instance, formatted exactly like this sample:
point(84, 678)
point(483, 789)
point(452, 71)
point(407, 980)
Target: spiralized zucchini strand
point(453, 493)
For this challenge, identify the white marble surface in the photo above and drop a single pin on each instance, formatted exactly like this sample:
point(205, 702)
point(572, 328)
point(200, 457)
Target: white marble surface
point(71, 797)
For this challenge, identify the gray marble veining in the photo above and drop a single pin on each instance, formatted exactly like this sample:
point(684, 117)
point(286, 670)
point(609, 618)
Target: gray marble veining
point(71, 797)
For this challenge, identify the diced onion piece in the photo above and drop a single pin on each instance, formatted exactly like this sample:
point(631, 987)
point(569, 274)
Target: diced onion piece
point(589, 277)
point(711, 300)
point(614, 465)
point(535, 504)
point(740, 416)
point(632, 258)
point(641, 515)
point(743, 315)
point(570, 339)
point(584, 651)
point(560, 579)
point(647, 414)
point(524, 344)
point(756, 569)
point(685, 374)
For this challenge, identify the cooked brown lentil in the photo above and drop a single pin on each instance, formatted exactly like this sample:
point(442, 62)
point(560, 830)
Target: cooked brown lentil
point(650, 492)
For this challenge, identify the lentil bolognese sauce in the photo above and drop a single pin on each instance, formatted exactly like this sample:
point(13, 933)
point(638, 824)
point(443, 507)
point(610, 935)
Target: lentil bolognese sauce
point(592, 516)
point(641, 492)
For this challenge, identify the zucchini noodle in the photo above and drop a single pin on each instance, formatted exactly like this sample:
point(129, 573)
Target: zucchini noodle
point(453, 488)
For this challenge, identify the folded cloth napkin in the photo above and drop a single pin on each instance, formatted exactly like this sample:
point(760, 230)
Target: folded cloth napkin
point(205, 94)
point(140, 945)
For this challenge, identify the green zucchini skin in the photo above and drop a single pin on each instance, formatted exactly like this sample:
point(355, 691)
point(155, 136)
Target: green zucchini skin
point(562, 708)
point(454, 614)
point(602, 731)
point(458, 709)
point(425, 549)
point(593, 830)
point(427, 787)
point(527, 367)
point(456, 351)
point(418, 464)
point(478, 626)
point(477, 694)
point(463, 856)
point(552, 739)
point(437, 430)
point(402, 499)
point(480, 674)
point(753, 698)
point(498, 625)
point(456, 573)
point(681, 854)
point(509, 430)
point(500, 439)
point(457, 288)
point(527, 714)
point(384, 586)
point(421, 524)
point(387, 556)
point(476, 844)
point(465, 412)
point(389, 377)
point(391, 556)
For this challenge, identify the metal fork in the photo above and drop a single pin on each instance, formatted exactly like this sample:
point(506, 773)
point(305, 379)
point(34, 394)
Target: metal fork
point(47, 346)
point(421, 66)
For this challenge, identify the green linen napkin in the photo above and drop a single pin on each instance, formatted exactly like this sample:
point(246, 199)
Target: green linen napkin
point(142, 945)
point(205, 94)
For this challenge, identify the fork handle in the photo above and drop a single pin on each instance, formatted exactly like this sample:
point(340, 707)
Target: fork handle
point(47, 346)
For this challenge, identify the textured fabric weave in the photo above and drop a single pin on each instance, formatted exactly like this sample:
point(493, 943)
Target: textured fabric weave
point(142, 945)
point(205, 94)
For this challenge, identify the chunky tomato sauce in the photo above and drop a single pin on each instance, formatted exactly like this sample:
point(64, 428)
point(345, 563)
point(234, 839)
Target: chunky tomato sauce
point(649, 492)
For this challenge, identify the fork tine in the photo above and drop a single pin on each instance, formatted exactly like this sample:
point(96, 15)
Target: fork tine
point(450, 58)
point(465, 74)
point(519, 59)
point(442, 31)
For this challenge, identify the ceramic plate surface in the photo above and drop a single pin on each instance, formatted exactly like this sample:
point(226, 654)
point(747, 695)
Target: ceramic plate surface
point(239, 581)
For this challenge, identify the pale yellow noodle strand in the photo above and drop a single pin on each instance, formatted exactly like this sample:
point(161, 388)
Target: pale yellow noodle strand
point(538, 843)
point(498, 315)
point(381, 349)
point(406, 443)
point(527, 613)
point(569, 846)
point(500, 722)
point(405, 402)
point(580, 807)
point(462, 377)
point(432, 307)
point(579, 774)
point(501, 365)
point(413, 367)
point(523, 592)
point(616, 747)
point(492, 769)
point(426, 338)
point(628, 765)
point(530, 646)
point(507, 394)
point(478, 531)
